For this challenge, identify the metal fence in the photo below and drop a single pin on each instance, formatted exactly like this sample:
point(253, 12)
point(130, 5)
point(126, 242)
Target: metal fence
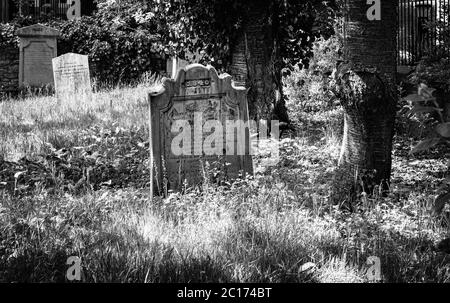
point(43, 9)
point(415, 38)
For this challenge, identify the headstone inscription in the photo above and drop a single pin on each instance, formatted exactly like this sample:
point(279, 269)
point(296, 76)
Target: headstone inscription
point(72, 77)
point(37, 49)
point(210, 115)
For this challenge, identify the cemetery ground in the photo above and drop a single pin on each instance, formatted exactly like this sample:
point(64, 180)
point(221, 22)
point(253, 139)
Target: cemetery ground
point(75, 182)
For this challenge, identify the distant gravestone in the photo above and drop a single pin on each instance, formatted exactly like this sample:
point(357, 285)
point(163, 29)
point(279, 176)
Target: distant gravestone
point(72, 77)
point(198, 118)
point(37, 49)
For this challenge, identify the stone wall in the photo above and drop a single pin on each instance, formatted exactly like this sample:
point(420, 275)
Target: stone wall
point(9, 70)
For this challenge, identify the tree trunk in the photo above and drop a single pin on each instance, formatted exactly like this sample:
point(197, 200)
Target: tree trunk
point(253, 65)
point(367, 89)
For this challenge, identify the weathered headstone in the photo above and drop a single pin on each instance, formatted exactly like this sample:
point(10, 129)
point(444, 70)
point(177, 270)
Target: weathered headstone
point(72, 78)
point(37, 49)
point(199, 118)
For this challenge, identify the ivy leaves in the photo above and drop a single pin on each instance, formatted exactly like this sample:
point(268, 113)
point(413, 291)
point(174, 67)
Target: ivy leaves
point(422, 103)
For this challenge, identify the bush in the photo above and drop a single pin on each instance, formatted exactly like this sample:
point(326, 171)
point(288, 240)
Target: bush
point(433, 71)
point(308, 89)
point(7, 36)
point(434, 68)
point(116, 54)
point(7, 31)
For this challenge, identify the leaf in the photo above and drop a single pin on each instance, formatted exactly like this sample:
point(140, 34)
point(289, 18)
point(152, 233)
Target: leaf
point(444, 246)
point(307, 268)
point(414, 98)
point(50, 146)
point(439, 203)
point(443, 129)
point(107, 183)
point(18, 174)
point(425, 145)
point(426, 91)
point(423, 109)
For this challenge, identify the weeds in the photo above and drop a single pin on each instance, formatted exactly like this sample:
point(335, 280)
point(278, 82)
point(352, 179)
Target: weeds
point(273, 227)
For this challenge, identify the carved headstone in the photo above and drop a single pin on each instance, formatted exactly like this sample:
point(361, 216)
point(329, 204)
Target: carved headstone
point(199, 121)
point(72, 78)
point(37, 49)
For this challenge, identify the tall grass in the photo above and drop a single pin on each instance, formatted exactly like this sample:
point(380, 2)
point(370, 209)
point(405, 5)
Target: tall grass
point(243, 235)
point(262, 229)
point(28, 124)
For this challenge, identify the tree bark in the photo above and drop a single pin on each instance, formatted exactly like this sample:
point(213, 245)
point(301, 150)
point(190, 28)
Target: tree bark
point(254, 61)
point(367, 89)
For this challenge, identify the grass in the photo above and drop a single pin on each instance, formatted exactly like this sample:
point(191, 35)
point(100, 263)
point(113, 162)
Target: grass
point(27, 125)
point(262, 229)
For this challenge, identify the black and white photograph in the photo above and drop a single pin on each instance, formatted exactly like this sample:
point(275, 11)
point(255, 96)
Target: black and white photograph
point(225, 147)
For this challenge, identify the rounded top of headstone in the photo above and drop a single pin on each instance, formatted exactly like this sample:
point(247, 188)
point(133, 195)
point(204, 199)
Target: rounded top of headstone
point(71, 56)
point(196, 70)
point(37, 30)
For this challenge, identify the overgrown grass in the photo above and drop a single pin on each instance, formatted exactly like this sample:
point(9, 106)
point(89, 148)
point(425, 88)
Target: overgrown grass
point(262, 229)
point(27, 125)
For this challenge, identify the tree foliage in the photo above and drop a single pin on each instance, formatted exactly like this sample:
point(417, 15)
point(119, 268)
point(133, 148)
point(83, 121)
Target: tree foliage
point(210, 27)
point(122, 36)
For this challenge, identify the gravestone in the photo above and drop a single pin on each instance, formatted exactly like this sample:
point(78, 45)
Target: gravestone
point(72, 78)
point(37, 49)
point(186, 120)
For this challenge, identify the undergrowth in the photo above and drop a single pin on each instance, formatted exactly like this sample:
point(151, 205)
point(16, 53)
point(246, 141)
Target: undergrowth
point(74, 182)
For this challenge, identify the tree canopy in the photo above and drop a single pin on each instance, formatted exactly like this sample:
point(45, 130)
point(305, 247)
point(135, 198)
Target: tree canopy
point(211, 27)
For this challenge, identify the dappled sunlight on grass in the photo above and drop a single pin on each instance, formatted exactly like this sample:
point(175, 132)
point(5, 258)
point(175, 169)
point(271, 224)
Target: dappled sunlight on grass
point(27, 124)
point(338, 270)
point(95, 204)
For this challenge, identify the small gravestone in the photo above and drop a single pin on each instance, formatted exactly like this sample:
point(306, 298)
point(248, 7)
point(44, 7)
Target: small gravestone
point(72, 77)
point(37, 49)
point(199, 122)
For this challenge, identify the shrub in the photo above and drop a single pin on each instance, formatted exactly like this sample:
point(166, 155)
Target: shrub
point(7, 36)
point(116, 54)
point(308, 89)
point(433, 69)
point(7, 31)
point(421, 105)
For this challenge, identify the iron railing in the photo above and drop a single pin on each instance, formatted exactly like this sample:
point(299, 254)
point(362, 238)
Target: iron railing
point(415, 37)
point(414, 40)
point(42, 9)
